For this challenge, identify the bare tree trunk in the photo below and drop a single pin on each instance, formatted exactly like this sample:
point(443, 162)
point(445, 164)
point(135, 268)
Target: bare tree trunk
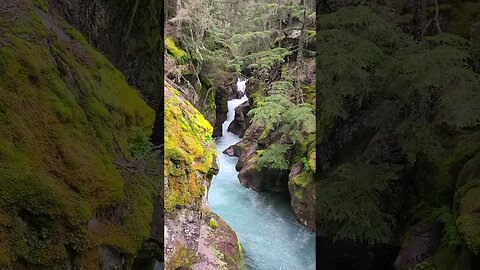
point(301, 42)
point(128, 27)
point(178, 23)
point(301, 45)
point(419, 18)
point(437, 21)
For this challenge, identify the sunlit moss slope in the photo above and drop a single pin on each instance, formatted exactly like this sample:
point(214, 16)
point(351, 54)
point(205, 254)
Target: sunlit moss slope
point(66, 115)
point(189, 150)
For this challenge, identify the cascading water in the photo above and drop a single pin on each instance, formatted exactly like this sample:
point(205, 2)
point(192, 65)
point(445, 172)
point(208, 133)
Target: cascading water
point(265, 223)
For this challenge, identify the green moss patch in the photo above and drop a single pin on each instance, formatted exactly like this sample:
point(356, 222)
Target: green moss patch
point(213, 223)
point(189, 151)
point(468, 222)
point(181, 259)
point(178, 54)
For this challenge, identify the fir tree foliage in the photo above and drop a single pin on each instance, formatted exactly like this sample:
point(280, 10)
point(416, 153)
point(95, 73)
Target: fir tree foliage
point(277, 113)
point(350, 202)
point(411, 92)
point(270, 112)
point(299, 123)
point(263, 62)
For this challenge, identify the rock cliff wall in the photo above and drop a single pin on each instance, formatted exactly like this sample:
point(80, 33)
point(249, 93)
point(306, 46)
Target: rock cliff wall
point(195, 237)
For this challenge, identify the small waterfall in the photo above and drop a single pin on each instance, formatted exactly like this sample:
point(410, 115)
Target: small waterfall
point(241, 85)
point(232, 104)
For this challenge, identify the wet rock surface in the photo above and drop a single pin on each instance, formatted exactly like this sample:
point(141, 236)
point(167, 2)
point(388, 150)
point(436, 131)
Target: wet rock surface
point(241, 121)
point(261, 179)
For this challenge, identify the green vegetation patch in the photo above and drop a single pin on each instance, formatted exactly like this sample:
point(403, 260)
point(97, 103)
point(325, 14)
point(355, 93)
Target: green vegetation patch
point(469, 222)
point(352, 200)
point(274, 157)
point(41, 4)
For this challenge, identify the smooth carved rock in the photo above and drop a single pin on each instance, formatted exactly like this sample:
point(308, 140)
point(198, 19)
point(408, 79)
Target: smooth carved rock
point(232, 151)
point(241, 122)
point(262, 179)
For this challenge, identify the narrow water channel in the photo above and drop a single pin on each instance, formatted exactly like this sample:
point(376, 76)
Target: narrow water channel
point(271, 237)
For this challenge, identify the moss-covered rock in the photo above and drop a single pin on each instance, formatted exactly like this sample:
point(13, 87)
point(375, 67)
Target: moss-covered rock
point(189, 151)
point(66, 116)
point(128, 35)
point(302, 188)
point(178, 54)
point(195, 237)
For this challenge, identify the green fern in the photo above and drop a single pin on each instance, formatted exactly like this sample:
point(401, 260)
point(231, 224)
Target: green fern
point(274, 157)
point(451, 236)
point(306, 166)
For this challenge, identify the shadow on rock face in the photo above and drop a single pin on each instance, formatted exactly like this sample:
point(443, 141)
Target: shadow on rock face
point(345, 255)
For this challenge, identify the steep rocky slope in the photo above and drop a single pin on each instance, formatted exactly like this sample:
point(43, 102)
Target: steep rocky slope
point(76, 181)
point(195, 238)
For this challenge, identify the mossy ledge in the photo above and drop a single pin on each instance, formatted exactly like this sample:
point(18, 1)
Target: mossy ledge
point(66, 116)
